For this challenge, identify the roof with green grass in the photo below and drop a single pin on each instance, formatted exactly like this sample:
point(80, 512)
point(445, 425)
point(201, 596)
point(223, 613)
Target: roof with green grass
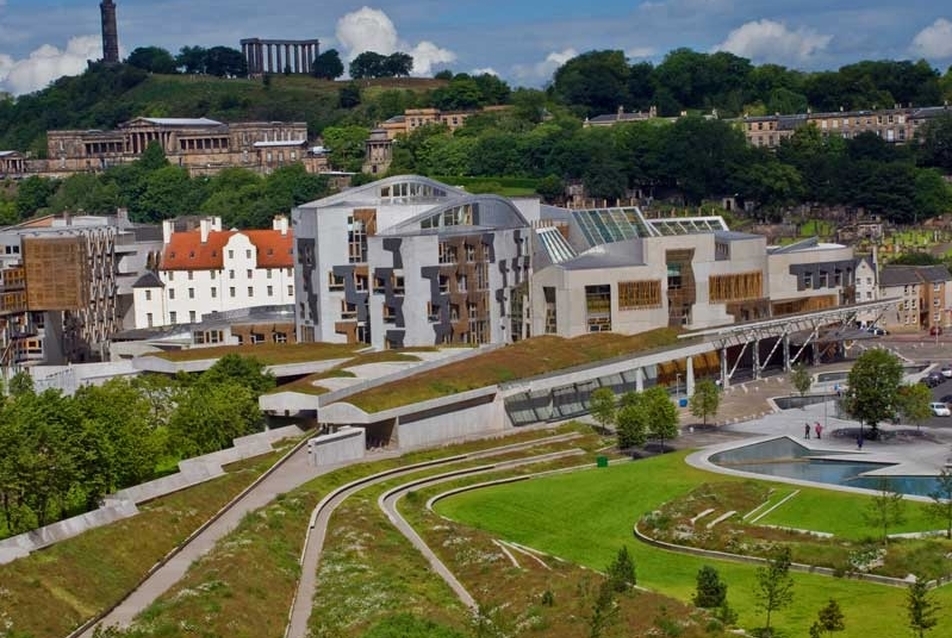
point(268, 353)
point(521, 360)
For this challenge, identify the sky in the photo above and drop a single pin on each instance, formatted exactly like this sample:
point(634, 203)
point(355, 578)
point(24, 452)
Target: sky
point(521, 41)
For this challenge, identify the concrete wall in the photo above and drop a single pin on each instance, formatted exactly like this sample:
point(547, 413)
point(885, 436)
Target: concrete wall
point(345, 445)
point(436, 426)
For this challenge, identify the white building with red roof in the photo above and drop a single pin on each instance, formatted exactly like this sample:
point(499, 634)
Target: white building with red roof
point(205, 269)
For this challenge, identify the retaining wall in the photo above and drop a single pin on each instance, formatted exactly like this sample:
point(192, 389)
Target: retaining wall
point(347, 444)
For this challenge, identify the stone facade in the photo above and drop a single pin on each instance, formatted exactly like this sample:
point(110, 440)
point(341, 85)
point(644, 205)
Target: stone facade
point(202, 145)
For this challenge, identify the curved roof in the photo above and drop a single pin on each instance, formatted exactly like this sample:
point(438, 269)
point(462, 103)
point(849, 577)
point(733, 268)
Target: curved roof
point(398, 189)
point(468, 212)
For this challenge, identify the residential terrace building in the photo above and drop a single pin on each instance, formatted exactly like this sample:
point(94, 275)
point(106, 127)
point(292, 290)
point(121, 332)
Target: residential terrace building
point(408, 261)
point(204, 269)
point(925, 297)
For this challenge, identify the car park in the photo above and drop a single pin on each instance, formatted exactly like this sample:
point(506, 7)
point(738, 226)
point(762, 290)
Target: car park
point(946, 372)
point(933, 379)
point(940, 409)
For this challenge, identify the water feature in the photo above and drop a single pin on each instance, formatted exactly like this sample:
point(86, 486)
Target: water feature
point(784, 457)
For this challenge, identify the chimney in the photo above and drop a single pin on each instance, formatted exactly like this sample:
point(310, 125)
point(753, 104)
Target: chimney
point(205, 227)
point(168, 227)
point(280, 223)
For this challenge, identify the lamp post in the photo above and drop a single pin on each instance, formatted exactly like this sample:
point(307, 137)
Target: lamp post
point(677, 385)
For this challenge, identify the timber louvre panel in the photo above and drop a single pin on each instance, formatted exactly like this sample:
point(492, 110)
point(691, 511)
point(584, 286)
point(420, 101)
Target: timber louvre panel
point(736, 287)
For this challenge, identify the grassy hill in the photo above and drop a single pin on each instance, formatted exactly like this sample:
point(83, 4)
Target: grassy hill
point(103, 97)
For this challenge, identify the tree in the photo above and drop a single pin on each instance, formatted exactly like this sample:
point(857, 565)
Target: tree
point(551, 188)
point(397, 64)
point(621, 571)
point(829, 620)
point(225, 62)
point(33, 195)
point(192, 59)
point(368, 64)
point(153, 60)
point(248, 372)
point(661, 413)
point(595, 82)
point(885, 509)
point(774, 586)
point(801, 378)
point(604, 610)
point(631, 420)
point(941, 506)
point(912, 401)
point(602, 406)
point(711, 591)
point(705, 400)
point(346, 146)
point(327, 65)
point(873, 386)
point(920, 607)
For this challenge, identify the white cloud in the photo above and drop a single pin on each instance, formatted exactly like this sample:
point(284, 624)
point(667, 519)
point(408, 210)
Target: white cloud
point(769, 41)
point(47, 63)
point(542, 71)
point(372, 30)
point(484, 71)
point(935, 41)
point(640, 52)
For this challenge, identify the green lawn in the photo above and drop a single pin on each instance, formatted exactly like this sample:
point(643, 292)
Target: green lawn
point(267, 353)
point(810, 509)
point(585, 516)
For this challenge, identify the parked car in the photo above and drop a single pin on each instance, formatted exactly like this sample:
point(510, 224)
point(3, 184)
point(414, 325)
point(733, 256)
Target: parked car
point(935, 331)
point(876, 330)
point(940, 409)
point(933, 379)
point(946, 372)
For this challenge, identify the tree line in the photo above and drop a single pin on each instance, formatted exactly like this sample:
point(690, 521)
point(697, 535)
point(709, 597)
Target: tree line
point(152, 189)
point(694, 158)
point(219, 61)
point(62, 454)
point(600, 82)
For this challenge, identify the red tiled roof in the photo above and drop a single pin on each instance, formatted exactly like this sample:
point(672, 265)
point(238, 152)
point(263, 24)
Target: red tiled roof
point(185, 250)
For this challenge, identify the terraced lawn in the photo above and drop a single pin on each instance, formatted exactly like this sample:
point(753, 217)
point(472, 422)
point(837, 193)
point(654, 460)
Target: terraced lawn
point(585, 516)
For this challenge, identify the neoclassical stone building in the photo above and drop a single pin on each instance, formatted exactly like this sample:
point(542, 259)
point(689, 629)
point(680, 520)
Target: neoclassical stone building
point(202, 145)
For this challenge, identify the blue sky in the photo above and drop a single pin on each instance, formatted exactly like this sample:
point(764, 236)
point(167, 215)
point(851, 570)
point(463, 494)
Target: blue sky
point(521, 41)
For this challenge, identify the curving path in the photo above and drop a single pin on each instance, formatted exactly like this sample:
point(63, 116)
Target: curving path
point(303, 601)
point(290, 472)
point(388, 503)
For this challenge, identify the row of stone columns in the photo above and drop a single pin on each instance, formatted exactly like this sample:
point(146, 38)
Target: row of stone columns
point(276, 57)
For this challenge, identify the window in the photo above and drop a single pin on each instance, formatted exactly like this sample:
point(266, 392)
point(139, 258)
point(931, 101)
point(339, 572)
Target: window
point(212, 275)
point(248, 254)
point(470, 252)
point(288, 271)
point(191, 293)
point(356, 241)
point(251, 291)
point(191, 316)
point(231, 291)
point(444, 284)
point(231, 274)
point(270, 291)
point(214, 293)
point(290, 290)
point(280, 337)
point(639, 294)
point(171, 275)
point(808, 280)
point(171, 293)
point(432, 312)
point(461, 283)
point(269, 273)
point(173, 317)
point(231, 254)
point(148, 295)
point(249, 273)
point(191, 275)
point(148, 319)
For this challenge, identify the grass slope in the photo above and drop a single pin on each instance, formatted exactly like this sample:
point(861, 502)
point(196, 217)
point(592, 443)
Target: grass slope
point(585, 516)
point(53, 590)
point(520, 360)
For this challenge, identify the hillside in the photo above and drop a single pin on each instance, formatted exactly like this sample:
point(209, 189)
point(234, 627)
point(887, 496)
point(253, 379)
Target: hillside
point(103, 97)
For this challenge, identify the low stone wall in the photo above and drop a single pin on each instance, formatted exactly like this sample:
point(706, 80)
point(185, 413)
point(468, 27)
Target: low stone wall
point(123, 503)
point(347, 444)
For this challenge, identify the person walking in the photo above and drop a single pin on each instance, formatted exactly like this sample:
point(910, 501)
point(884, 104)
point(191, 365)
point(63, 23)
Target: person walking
point(818, 429)
point(806, 430)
